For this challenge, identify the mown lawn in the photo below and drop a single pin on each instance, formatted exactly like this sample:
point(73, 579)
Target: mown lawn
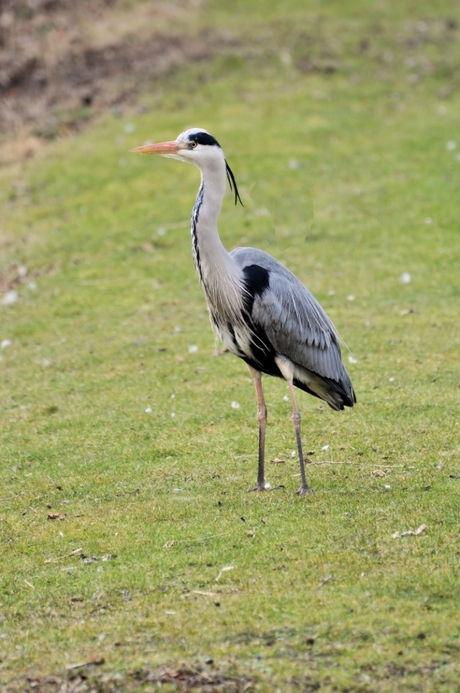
point(129, 543)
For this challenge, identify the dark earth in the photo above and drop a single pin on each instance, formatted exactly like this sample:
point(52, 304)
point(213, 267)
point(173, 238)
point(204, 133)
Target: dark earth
point(63, 62)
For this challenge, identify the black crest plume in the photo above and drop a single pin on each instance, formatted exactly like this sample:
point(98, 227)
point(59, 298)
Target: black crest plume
point(233, 185)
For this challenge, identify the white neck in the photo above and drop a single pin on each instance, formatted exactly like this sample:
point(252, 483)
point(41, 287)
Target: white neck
point(219, 275)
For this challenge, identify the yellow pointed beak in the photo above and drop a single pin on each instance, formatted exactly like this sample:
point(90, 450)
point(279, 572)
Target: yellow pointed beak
point(159, 148)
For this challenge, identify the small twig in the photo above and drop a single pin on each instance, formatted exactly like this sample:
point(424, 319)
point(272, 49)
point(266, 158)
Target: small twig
point(324, 580)
point(225, 569)
point(96, 662)
point(202, 592)
point(68, 555)
point(172, 542)
point(358, 462)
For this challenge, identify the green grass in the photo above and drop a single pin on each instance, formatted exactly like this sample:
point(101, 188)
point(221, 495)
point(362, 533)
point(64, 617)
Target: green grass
point(320, 595)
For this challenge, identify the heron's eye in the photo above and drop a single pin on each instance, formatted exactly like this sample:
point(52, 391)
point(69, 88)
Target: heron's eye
point(193, 144)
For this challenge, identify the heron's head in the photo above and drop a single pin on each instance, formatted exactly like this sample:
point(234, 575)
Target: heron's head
point(194, 146)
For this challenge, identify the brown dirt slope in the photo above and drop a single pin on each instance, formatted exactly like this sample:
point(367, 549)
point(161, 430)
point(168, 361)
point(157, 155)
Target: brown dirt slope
point(62, 62)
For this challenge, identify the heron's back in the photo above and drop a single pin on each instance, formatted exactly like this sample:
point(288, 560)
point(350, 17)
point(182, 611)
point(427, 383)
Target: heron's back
point(284, 319)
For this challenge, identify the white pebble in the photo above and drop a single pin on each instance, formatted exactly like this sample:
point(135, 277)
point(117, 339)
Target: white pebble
point(148, 410)
point(352, 359)
point(286, 58)
point(286, 398)
point(262, 212)
point(351, 297)
point(5, 343)
point(405, 278)
point(192, 349)
point(235, 405)
point(325, 447)
point(10, 297)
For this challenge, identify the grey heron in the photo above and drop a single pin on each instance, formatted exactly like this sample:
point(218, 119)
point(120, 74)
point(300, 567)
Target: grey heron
point(260, 310)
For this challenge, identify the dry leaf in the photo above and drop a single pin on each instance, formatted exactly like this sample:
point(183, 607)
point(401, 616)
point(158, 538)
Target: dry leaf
point(88, 559)
point(147, 247)
point(410, 532)
point(420, 529)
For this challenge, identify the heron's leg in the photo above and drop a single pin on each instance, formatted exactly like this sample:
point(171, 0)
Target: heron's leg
point(286, 369)
point(304, 487)
point(262, 419)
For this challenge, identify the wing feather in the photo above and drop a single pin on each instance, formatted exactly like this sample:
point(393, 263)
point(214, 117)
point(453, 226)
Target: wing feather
point(293, 320)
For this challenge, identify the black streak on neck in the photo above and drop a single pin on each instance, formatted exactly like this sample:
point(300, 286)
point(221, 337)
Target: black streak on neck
point(195, 215)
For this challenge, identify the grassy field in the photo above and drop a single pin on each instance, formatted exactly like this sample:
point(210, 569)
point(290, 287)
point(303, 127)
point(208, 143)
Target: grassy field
point(132, 557)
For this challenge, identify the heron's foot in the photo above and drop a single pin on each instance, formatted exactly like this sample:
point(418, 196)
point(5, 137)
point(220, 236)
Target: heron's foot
point(264, 487)
point(304, 491)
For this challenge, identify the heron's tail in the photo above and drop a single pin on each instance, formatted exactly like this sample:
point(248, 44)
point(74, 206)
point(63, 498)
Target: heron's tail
point(338, 395)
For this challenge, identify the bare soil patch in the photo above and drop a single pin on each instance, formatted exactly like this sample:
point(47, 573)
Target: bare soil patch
point(84, 679)
point(63, 62)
